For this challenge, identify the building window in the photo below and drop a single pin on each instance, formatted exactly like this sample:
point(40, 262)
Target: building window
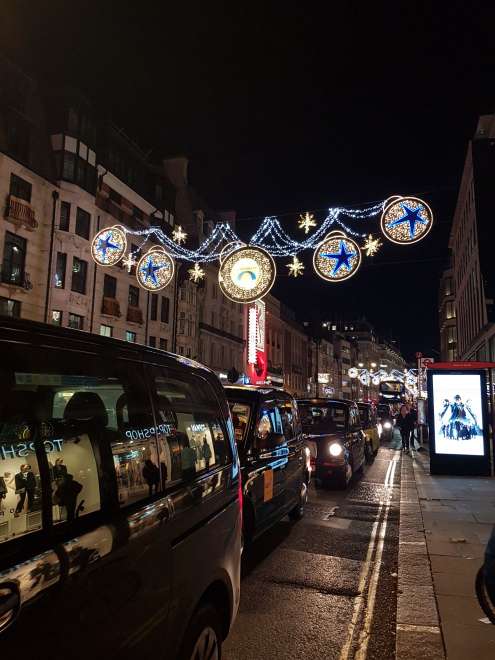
point(83, 222)
point(154, 307)
point(76, 322)
point(60, 270)
point(9, 307)
point(115, 197)
point(79, 272)
point(137, 214)
point(133, 296)
point(64, 224)
point(164, 312)
point(110, 287)
point(69, 166)
point(181, 350)
point(20, 188)
point(106, 330)
point(56, 317)
point(130, 336)
point(14, 259)
point(152, 341)
point(163, 344)
point(213, 319)
point(450, 310)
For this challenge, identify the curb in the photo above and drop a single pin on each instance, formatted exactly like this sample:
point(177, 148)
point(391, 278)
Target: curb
point(418, 633)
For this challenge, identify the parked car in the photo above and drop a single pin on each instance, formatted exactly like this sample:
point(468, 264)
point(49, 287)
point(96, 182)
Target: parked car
point(385, 421)
point(274, 462)
point(337, 443)
point(369, 423)
point(135, 544)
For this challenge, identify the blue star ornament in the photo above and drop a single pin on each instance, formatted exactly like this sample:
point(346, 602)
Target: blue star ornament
point(412, 217)
point(150, 269)
point(342, 258)
point(105, 244)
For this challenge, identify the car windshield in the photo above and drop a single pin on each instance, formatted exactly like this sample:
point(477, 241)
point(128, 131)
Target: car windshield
point(240, 417)
point(322, 418)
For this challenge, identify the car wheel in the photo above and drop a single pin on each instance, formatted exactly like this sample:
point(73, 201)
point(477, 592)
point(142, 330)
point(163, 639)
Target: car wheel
point(203, 637)
point(298, 511)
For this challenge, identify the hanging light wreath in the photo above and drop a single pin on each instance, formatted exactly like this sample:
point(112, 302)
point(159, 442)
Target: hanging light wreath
point(247, 274)
point(406, 220)
point(109, 245)
point(155, 269)
point(337, 257)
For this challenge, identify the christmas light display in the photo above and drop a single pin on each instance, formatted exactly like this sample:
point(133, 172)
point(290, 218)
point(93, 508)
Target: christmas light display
point(250, 273)
point(372, 245)
point(196, 274)
point(296, 268)
point(155, 269)
point(307, 221)
point(406, 220)
point(337, 258)
point(109, 245)
point(129, 262)
point(179, 235)
point(247, 274)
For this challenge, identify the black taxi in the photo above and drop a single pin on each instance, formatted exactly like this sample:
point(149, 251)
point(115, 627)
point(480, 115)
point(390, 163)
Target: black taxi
point(333, 433)
point(274, 460)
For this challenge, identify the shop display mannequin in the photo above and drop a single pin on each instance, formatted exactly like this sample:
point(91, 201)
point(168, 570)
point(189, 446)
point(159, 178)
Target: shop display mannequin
point(3, 491)
point(25, 484)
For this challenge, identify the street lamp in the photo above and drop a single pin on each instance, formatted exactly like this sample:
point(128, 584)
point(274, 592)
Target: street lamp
point(373, 364)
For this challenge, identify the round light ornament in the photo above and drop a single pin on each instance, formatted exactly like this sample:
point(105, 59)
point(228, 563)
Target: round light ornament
point(406, 220)
point(247, 274)
point(337, 257)
point(353, 372)
point(109, 246)
point(155, 269)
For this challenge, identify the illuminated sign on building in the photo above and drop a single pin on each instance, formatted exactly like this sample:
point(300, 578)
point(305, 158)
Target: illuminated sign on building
point(256, 356)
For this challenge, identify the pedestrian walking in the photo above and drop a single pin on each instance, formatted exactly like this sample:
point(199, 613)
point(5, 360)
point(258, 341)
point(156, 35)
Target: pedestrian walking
point(405, 423)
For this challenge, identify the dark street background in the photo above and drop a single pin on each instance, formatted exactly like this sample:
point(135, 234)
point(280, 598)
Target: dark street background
point(285, 107)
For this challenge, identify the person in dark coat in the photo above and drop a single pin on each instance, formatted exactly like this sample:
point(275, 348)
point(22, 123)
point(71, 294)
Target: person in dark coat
point(405, 423)
point(151, 474)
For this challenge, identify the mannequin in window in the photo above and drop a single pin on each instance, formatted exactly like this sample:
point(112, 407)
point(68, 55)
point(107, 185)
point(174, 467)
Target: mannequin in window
point(25, 484)
point(66, 495)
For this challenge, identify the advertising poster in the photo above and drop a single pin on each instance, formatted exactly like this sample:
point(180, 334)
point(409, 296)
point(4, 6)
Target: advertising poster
point(458, 417)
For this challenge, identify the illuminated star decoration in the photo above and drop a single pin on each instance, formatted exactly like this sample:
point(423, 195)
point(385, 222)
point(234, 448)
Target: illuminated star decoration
point(149, 271)
point(129, 262)
point(372, 245)
point(196, 274)
point(411, 216)
point(307, 221)
point(296, 267)
point(342, 258)
point(179, 235)
point(105, 243)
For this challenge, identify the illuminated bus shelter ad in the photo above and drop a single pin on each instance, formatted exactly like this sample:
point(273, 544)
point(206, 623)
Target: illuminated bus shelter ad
point(458, 414)
point(457, 422)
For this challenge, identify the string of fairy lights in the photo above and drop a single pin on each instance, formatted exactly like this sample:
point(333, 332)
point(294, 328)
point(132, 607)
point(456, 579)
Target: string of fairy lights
point(247, 271)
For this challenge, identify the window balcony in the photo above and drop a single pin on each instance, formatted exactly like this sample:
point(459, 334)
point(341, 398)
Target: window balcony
point(110, 307)
point(134, 315)
point(19, 211)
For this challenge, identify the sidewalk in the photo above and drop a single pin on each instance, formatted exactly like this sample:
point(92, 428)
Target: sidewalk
point(458, 514)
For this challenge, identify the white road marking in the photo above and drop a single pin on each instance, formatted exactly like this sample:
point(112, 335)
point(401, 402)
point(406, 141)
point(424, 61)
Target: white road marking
point(369, 565)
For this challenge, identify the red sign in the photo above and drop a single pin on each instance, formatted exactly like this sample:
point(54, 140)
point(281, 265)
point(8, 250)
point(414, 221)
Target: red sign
point(461, 365)
point(419, 356)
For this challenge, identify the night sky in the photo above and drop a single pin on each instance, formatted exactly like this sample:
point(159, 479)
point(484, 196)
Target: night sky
point(282, 108)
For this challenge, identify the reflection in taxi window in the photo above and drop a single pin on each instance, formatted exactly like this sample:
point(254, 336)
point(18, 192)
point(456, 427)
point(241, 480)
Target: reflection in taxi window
point(240, 419)
point(198, 441)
